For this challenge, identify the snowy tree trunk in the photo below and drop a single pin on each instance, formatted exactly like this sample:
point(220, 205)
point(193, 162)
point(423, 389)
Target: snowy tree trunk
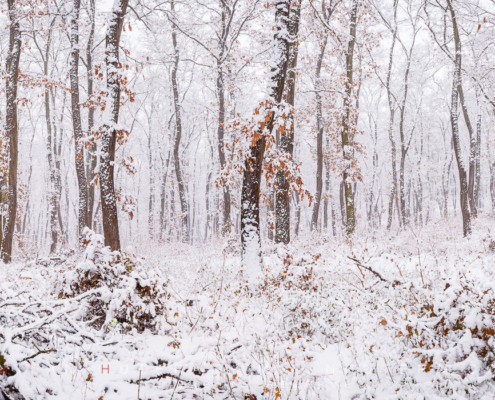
point(51, 147)
point(472, 141)
point(391, 105)
point(109, 137)
point(319, 141)
point(492, 184)
point(58, 155)
point(350, 221)
point(11, 127)
point(151, 191)
point(250, 194)
point(297, 201)
point(178, 135)
point(92, 158)
point(327, 190)
point(477, 188)
point(286, 142)
point(221, 132)
point(403, 146)
point(207, 200)
point(163, 196)
point(52, 192)
point(227, 223)
point(463, 179)
point(76, 121)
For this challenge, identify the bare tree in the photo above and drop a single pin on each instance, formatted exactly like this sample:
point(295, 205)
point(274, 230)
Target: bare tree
point(326, 14)
point(285, 140)
point(109, 136)
point(92, 157)
point(11, 126)
point(178, 136)
point(76, 121)
point(463, 179)
point(350, 222)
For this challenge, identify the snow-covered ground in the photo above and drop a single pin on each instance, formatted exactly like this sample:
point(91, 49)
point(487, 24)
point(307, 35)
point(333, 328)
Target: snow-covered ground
point(182, 322)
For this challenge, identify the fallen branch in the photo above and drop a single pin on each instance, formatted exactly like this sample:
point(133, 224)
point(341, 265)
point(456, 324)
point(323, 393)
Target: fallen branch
point(165, 375)
point(38, 353)
point(367, 268)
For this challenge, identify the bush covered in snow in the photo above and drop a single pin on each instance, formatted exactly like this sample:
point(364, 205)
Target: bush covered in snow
point(124, 294)
point(341, 320)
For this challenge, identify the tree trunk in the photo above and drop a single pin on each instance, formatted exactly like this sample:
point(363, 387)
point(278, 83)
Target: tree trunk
point(319, 140)
point(477, 188)
point(250, 194)
point(270, 214)
point(109, 137)
point(207, 197)
point(403, 147)
point(393, 191)
point(92, 157)
point(52, 192)
point(76, 121)
point(51, 147)
point(151, 190)
point(163, 196)
point(227, 223)
point(58, 154)
point(492, 184)
point(325, 201)
point(350, 222)
point(11, 127)
point(286, 142)
point(298, 212)
point(472, 142)
point(463, 179)
point(178, 135)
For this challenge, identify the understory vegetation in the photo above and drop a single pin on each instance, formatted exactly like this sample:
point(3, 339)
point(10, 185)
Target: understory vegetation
point(409, 317)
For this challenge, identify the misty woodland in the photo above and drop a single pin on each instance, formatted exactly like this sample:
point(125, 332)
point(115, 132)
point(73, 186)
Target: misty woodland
point(247, 199)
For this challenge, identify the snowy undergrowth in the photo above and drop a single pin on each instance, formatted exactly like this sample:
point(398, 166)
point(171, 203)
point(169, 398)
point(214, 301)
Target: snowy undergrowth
point(183, 324)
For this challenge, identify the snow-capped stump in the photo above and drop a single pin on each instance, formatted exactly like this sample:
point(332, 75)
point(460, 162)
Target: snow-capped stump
point(125, 295)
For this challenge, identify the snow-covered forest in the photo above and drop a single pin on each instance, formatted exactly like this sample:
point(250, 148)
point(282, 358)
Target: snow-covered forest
point(247, 199)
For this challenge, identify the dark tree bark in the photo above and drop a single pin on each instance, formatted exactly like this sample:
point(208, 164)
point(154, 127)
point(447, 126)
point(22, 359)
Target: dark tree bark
point(350, 222)
point(163, 196)
point(11, 127)
point(472, 142)
point(472, 138)
point(109, 137)
point(477, 187)
point(319, 141)
point(286, 140)
point(250, 194)
point(404, 148)
point(207, 197)
point(151, 199)
point(221, 117)
point(178, 135)
point(57, 149)
point(76, 122)
point(463, 179)
point(51, 141)
point(391, 105)
point(92, 158)
point(325, 201)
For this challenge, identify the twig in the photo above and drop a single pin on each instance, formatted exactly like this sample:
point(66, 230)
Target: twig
point(368, 268)
point(171, 398)
point(165, 375)
point(38, 353)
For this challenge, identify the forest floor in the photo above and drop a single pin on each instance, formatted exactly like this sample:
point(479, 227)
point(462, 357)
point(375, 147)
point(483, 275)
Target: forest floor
point(402, 315)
